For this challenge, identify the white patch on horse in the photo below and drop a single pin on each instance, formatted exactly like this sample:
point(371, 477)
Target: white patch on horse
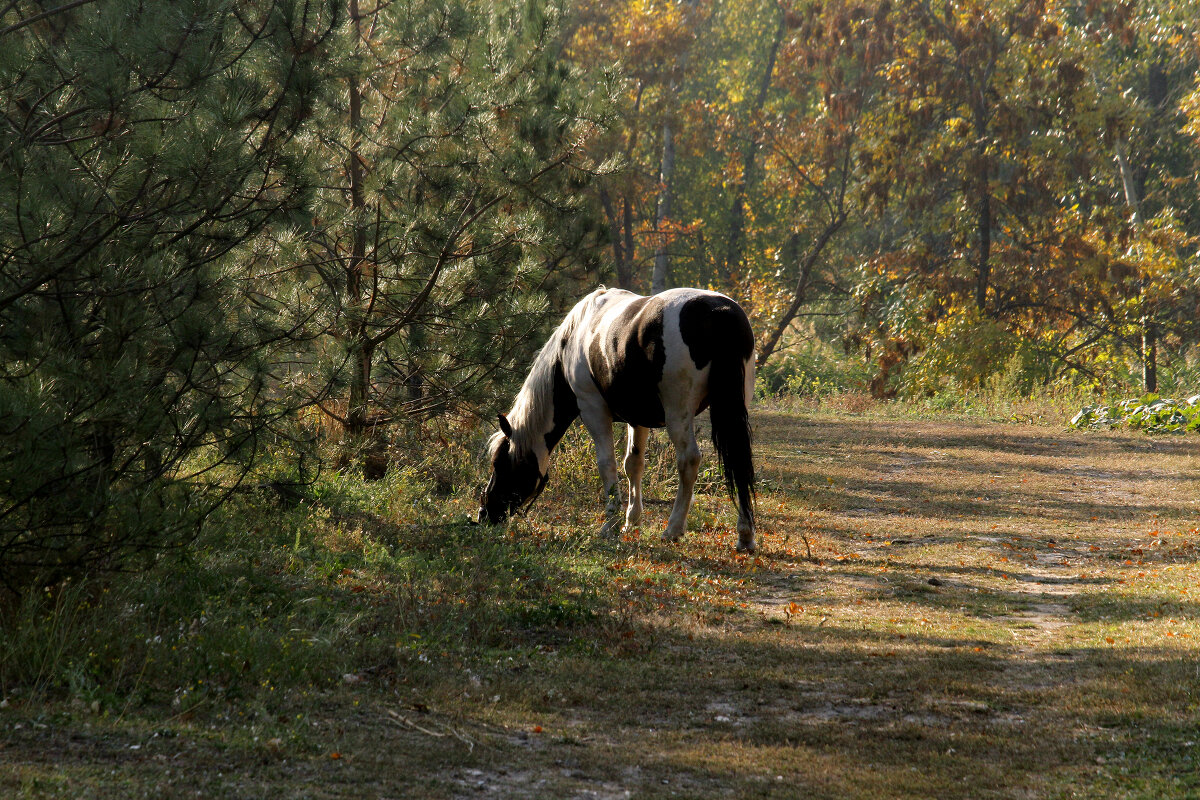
point(684, 384)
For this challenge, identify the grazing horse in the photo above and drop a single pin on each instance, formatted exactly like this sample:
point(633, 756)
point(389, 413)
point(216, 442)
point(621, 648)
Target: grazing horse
point(650, 362)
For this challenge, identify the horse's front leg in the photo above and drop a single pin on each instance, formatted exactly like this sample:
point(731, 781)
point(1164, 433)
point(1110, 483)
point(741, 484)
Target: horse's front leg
point(599, 425)
point(687, 459)
point(635, 464)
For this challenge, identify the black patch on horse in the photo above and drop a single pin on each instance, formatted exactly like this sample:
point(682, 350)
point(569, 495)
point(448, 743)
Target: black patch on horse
point(703, 315)
point(629, 382)
point(566, 407)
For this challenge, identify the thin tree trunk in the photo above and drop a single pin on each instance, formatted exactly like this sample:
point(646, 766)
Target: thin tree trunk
point(620, 259)
point(1149, 355)
point(361, 353)
point(983, 266)
point(414, 381)
point(627, 223)
point(1128, 183)
point(361, 349)
point(983, 262)
point(666, 175)
point(666, 178)
point(737, 211)
point(800, 293)
point(1149, 349)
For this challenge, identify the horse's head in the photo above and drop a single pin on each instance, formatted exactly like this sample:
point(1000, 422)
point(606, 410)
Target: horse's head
point(516, 478)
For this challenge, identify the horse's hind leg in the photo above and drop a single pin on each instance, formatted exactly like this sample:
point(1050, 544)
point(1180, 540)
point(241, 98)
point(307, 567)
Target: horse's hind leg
point(635, 464)
point(745, 529)
point(687, 458)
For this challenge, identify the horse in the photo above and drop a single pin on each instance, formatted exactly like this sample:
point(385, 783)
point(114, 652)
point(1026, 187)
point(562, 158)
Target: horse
point(649, 362)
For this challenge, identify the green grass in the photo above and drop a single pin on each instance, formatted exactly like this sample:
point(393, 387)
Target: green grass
point(989, 610)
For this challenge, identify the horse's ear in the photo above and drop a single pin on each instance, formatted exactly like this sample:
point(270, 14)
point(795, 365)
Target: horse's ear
point(505, 427)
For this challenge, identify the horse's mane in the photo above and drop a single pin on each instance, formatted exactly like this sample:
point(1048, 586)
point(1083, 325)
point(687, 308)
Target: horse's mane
point(532, 410)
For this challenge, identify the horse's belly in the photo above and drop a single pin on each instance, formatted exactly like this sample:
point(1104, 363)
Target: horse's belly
point(643, 409)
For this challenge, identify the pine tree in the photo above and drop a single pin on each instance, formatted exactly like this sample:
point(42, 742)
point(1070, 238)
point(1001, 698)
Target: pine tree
point(143, 148)
point(451, 150)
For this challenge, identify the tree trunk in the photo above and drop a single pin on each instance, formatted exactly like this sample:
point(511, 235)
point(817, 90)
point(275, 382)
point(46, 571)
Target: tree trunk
point(361, 353)
point(1149, 349)
point(1149, 355)
point(737, 211)
point(800, 293)
point(627, 223)
point(983, 267)
point(621, 259)
point(1128, 183)
point(361, 349)
point(983, 262)
point(666, 175)
point(666, 178)
point(414, 381)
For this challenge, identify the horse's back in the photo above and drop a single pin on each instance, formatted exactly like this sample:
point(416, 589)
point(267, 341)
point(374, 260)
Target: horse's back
point(650, 356)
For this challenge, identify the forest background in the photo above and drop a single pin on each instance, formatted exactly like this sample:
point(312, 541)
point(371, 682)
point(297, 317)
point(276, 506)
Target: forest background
point(234, 232)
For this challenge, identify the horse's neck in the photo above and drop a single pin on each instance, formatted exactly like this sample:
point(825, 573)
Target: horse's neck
point(548, 406)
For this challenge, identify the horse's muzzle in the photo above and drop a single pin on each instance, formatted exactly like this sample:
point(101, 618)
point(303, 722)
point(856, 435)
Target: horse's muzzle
point(482, 517)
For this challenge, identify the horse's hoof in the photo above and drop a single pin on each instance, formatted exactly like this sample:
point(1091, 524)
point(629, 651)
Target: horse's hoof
point(746, 547)
point(671, 538)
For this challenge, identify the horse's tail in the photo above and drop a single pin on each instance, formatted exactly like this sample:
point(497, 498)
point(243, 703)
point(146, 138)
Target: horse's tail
point(730, 389)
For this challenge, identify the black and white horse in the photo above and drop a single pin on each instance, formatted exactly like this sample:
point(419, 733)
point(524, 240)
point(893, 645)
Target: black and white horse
point(650, 362)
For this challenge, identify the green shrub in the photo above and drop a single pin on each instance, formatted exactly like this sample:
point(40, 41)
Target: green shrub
point(810, 369)
point(1150, 413)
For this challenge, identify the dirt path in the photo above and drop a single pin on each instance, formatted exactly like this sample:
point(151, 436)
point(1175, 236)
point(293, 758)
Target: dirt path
point(1022, 541)
point(971, 623)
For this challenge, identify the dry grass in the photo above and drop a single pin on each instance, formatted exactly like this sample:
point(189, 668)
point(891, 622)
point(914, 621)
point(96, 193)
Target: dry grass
point(989, 611)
